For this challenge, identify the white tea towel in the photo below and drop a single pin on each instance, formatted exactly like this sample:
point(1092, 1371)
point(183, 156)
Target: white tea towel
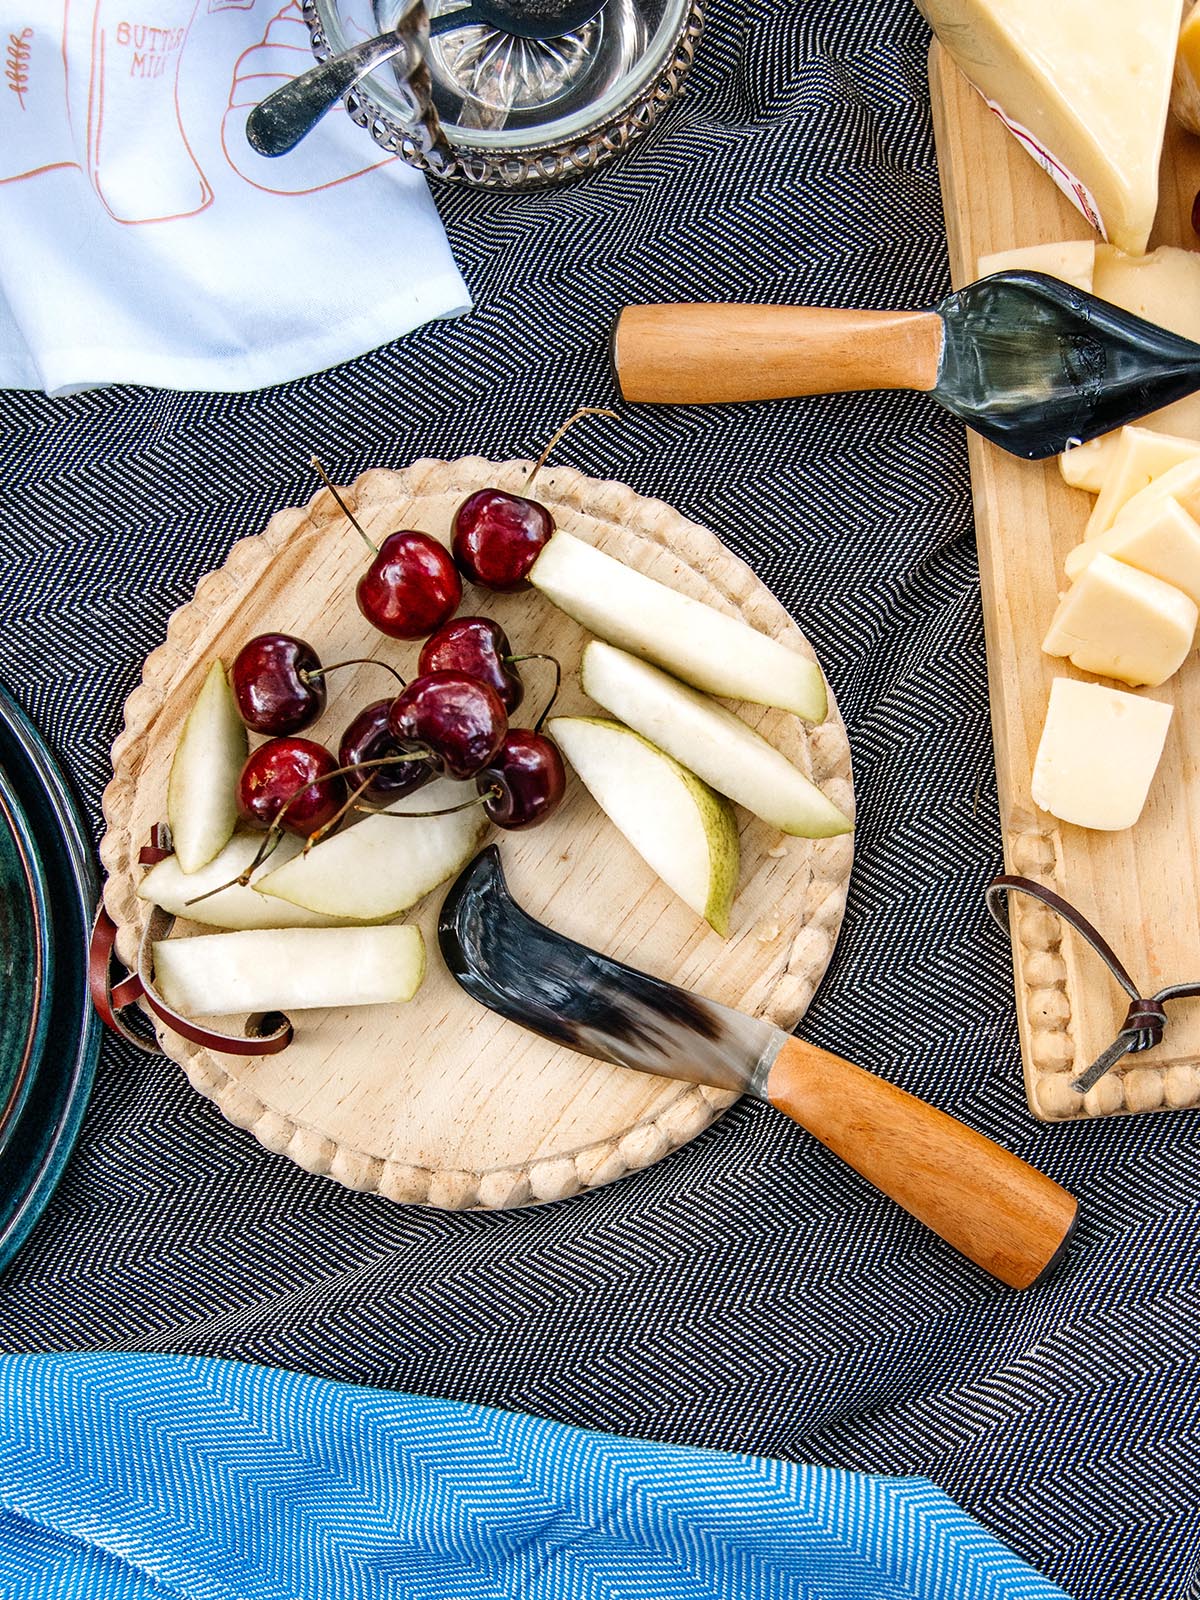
point(145, 242)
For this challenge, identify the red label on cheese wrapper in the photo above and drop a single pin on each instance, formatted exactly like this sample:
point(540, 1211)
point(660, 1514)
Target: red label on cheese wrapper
point(1077, 193)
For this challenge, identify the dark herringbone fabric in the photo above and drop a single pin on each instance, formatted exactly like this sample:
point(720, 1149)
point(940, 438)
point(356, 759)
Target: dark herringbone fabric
point(747, 1293)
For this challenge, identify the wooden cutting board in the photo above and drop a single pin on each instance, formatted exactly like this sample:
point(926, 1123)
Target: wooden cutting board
point(440, 1101)
point(1141, 888)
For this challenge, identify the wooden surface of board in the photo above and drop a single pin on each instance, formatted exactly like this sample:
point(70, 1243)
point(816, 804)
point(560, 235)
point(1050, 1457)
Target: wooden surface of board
point(1140, 887)
point(440, 1101)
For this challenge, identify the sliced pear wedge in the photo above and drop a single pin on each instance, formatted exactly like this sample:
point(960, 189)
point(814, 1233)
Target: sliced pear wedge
point(702, 646)
point(384, 864)
point(680, 827)
point(176, 891)
point(202, 787)
point(289, 969)
point(710, 741)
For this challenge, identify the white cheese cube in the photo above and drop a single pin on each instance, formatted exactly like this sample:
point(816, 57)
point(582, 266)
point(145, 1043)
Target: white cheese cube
point(1085, 466)
point(1181, 482)
point(1098, 753)
point(1072, 261)
point(1162, 540)
point(1139, 458)
point(1122, 623)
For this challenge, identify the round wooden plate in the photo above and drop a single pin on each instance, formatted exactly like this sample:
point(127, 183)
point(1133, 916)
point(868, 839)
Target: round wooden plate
point(440, 1102)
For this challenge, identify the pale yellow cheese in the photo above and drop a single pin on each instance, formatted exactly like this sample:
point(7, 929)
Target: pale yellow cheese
point(1185, 91)
point(1072, 261)
point(1085, 466)
point(1098, 754)
point(1140, 456)
point(1180, 482)
point(1162, 540)
point(1083, 85)
point(1122, 623)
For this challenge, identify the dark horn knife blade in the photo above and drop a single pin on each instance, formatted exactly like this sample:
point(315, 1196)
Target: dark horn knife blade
point(1000, 1212)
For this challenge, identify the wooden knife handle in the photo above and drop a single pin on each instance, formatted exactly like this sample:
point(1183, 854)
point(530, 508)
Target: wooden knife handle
point(1003, 1214)
point(695, 354)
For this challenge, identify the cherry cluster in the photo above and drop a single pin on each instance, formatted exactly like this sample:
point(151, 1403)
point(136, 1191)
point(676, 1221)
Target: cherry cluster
point(451, 720)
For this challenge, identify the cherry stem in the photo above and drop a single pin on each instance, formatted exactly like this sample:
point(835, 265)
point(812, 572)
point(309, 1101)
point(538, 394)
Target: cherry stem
point(494, 793)
point(326, 827)
point(540, 655)
point(336, 493)
point(270, 840)
point(308, 674)
point(584, 411)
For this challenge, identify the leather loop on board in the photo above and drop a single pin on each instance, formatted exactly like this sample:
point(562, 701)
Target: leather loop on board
point(1146, 1019)
point(265, 1034)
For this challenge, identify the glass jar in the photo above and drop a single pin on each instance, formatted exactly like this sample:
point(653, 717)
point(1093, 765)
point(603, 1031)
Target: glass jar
point(477, 105)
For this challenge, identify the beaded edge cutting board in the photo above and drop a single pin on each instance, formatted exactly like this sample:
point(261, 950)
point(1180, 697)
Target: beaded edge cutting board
point(441, 1102)
point(1141, 887)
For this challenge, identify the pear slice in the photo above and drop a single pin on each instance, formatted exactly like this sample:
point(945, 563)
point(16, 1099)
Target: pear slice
point(677, 824)
point(289, 969)
point(168, 886)
point(384, 864)
point(202, 787)
point(702, 646)
point(710, 741)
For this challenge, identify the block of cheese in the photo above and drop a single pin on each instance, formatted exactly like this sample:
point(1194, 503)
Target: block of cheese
point(1163, 287)
point(1185, 91)
point(1085, 466)
point(1072, 261)
point(1180, 482)
point(1098, 753)
point(1140, 456)
point(1122, 623)
point(1083, 85)
point(1162, 540)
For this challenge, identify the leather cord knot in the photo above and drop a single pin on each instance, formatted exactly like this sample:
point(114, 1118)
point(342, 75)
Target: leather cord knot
point(1146, 1019)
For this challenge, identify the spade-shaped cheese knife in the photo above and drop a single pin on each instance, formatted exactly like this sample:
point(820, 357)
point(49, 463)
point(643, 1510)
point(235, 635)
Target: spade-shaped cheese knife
point(1008, 1218)
point(1031, 363)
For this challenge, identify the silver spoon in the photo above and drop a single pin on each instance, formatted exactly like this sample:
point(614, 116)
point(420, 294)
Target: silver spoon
point(278, 123)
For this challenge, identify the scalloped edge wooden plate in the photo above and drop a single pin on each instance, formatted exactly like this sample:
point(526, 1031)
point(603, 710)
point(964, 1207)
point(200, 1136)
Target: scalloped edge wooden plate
point(440, 1102)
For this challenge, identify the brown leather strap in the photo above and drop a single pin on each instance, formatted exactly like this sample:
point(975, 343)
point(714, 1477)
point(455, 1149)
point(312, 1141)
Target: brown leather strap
point(1145, 1021)
point(265, 1034)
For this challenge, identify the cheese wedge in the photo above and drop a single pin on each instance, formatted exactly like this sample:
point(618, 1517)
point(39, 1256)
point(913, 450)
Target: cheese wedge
point(1181, 483)
point(1122, 623)
point(1085, 466)
point(1098, 754)
point(1163, 540)
point(1185, 90)
point(1073, 261)
point(1140, 456)
point(1083, 85)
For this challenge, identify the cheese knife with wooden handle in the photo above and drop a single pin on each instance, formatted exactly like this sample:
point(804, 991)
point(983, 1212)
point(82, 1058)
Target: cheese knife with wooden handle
point(1004, 1215)
point(1030, 362)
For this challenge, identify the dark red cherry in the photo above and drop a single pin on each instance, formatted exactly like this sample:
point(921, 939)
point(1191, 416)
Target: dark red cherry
point(411, 587)
point(368, 738)
point(478, 648)
point(277, 683)
point(271, 778)
point(528, 771)
point(459, 720)
point(498, 536)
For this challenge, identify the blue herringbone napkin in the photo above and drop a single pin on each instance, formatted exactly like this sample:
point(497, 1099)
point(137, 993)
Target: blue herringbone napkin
point(164, 1476)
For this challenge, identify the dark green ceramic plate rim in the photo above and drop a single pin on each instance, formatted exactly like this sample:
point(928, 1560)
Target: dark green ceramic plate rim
point(28, 1050)
point(47, 1129)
